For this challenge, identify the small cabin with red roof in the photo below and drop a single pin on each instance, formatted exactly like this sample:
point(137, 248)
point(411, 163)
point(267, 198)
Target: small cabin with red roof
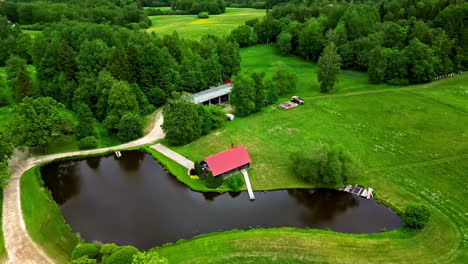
point(227, 162)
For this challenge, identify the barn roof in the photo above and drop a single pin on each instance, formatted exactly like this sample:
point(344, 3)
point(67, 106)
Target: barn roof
point(228, 160)
point(212, 93)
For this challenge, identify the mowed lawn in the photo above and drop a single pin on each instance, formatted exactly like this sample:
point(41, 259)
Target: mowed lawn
point(412, 142)
point(191, 27)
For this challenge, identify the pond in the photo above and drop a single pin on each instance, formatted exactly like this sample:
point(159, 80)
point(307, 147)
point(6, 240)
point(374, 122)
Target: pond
point(133, 200)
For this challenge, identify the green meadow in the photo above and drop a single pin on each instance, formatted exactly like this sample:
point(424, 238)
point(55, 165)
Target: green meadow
point(191, 27)
point(411, 141)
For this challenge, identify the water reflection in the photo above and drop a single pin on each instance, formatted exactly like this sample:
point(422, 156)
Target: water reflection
point(134, 200)
point(323, 205)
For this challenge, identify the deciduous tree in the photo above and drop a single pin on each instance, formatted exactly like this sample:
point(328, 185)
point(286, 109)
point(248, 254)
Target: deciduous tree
point(329, 68)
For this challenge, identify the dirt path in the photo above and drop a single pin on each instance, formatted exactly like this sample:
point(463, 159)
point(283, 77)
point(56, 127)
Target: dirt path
point(20, 248)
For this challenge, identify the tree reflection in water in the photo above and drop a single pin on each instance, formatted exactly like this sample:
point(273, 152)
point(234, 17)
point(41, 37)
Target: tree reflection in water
point(323, 205)
point(65, 183)
point(93, 162)
point(131, 160)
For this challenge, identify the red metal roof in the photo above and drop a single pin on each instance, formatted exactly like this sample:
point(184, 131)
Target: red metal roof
point(228, 160)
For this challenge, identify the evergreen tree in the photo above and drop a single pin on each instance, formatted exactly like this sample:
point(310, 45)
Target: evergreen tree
point(118, 66)
point(133, 64)
point(24, 87)
point(85, 126)
point(329, 68)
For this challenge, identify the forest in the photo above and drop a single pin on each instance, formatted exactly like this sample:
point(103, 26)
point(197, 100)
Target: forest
point(397, 42)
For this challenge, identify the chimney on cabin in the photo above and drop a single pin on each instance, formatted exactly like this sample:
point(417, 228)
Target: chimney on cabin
point(232, 145)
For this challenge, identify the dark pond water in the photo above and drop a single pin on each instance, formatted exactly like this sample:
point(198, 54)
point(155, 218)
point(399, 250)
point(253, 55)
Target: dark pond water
point(133, 200)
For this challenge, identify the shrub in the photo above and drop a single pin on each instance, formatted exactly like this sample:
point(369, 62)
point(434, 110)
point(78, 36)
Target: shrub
point(107, 250)
point(203, 15)
point(416, 216)
point(213, 182)
point(324, 165)
point(85, 249)
point(129, 127)
point(123, 255)
point(149, 257)
point(198, 169)
point(83, 260)
point(88, 143)
point(235, 182)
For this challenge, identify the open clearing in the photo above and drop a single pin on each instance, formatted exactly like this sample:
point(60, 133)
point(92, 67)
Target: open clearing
point(412, 142)
point(191, 27)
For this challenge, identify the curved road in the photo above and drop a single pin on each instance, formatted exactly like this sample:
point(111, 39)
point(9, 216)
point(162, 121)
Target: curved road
point(20, 248)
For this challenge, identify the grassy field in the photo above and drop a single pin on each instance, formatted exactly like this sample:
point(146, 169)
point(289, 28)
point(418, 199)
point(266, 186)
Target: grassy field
point(189, 26)
point(50, 232)
point(412, 142)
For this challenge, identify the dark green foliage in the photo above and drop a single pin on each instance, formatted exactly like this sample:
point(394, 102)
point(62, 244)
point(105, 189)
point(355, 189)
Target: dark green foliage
point(83, 260)
point(121, 100)
point(329, 68)
point(203, 15)
point(311, 40)
point(212, 181)
point(198, 169)
point(118, 66)
point(24, 87)
point(211, 117)
point(181, 121)
point(243, 95)
point(419, 56)
point(88, 143)
point(244, 36)
point(93, 57)
point(284, 81)
point(212, 7)
point(107, 250)
point(124, 255)
point(324, 165)
point(377, 65)
point(85, 122)
point(267, 29)
point(85, 249)
point(36, 122)
point(284, 42)
point(130, 127)
point(260, 93)
point(235, 182)
point(416, 216)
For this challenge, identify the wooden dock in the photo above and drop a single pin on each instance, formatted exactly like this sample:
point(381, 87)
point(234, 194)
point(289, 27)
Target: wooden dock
point(247, 183)
point(174, 156)
point(359, 191)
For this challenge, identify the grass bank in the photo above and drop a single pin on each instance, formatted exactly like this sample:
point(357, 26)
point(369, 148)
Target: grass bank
point(191, 27)
point(43, 218)
point(3, 254)
point(411, 141)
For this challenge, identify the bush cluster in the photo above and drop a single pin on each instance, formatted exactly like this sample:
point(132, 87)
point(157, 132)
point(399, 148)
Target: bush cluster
point(324, 165)
point(85, 249)
point(88, 143)
point(416, 216)
point(235, 182)
point(203, 15)
point(212, 181)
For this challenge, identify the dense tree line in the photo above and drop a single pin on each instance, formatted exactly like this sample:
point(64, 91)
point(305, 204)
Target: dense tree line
point(397, 42)
point(251, 93)
point(184, 121)
point(124, 13)
point(213, 7)
point(113, 75)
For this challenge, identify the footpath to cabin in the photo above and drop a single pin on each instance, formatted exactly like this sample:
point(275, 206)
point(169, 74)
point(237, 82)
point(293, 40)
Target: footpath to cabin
point(174, 156)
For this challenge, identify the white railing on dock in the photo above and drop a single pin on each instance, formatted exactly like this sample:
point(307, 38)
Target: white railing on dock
point(247, 183)
point(118, 154)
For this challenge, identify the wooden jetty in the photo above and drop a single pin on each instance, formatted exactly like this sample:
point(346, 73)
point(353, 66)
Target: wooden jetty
point(359, 191)
point(118, 154)
point(247, 183)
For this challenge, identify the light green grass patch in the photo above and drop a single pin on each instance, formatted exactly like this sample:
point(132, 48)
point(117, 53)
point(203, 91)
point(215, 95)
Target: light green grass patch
point(43, 218)
point(191, 27)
